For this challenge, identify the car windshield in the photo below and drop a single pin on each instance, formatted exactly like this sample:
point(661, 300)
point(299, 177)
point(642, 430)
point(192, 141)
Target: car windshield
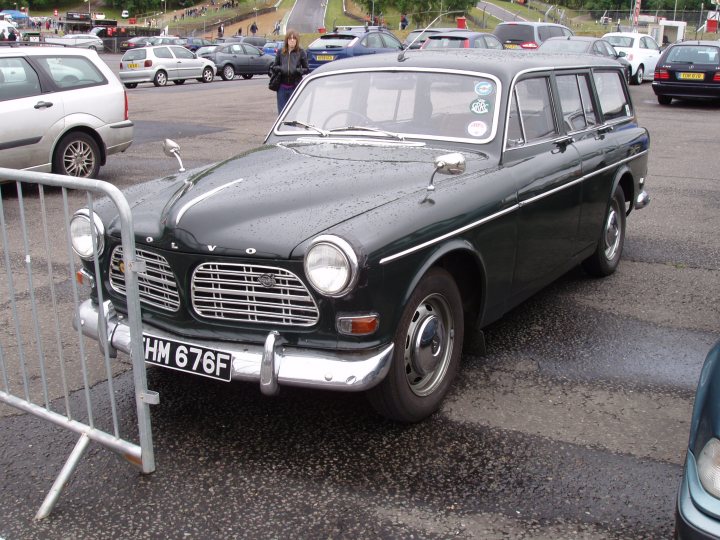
point(514, 32)
point(691, 54)
point(405, 103)
point(564, 45)
point(331, 42)
point(620, 41)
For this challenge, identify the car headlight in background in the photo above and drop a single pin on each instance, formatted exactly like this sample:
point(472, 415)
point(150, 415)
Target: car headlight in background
point(708, 465)
point(331, 265)
point(82, 229)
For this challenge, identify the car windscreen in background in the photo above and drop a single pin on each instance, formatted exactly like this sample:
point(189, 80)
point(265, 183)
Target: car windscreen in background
point(619, 41)
point(514, 32)
point(446, 43)
point(693, 54)
point(564, 45)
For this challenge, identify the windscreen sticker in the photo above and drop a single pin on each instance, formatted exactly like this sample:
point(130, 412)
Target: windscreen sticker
point(484, 88)
point(480, 106)
point(477, 128)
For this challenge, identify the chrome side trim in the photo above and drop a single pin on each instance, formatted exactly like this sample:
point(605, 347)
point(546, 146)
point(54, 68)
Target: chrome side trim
point(202, 197)
point(508, 210)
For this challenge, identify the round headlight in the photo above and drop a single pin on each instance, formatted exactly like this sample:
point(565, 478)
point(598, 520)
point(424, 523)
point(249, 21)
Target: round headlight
point(331, 265)
point(82, 229)
point(708, 465)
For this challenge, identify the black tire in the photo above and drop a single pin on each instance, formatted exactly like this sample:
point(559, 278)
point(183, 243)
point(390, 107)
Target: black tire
point(160, 78)
point(207, 75)
point(179, 81)
point(228, 73)
point(77, 154)
point(247, 76)
point(639, 75)
point(131, 85)
point(664, 100)
point(428, 343)
point(609, 248)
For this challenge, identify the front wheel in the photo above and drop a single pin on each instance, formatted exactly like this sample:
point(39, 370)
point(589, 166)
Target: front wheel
point(428, 343)
point(609, 248)
point(77, 154)
point(639, 75)
point(247, 76)
point(228, 73)
point(208, 75)
point(160, 78)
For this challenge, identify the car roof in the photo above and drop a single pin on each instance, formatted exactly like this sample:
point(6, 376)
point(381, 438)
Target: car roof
point(626, 34)
point(697, 42)
point(504, 64)
point(574, 38)
point(356, 30)
point(458, 34)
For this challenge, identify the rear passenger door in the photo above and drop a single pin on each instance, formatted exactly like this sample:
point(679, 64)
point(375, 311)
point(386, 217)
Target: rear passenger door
point(546, 167)
point(31, 120)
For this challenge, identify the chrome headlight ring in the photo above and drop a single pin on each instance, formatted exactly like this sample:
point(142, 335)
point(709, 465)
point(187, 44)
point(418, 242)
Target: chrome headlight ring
point(331, 266)
point(81, 233)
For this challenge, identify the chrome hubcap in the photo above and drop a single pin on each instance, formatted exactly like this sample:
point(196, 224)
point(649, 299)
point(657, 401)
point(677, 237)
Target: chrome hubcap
point(78, 159)
point(428, 345)
point(612, 234)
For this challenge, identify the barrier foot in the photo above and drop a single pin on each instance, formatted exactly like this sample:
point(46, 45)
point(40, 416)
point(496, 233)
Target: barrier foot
point(72, 461)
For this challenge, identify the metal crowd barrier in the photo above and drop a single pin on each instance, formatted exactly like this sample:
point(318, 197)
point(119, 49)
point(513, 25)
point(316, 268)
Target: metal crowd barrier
point(46, 367)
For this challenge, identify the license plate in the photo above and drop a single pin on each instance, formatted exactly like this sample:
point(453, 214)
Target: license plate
point(187, 357)
point(511, 46)
point(324, 57)
point(691, 76)
point(133, 66)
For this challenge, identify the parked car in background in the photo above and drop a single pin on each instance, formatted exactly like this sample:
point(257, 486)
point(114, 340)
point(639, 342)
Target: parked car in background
point(125, 14)
point(416, 38)
point(588, 45)
point(85, 41)
point(462, 40)
point(166, 40)
point(135, 42)
point(348, 41)
point(239, 59)
point(272, 47)
point(398, 200)
point(63, 110)
point(256, 41)
point(205, 52)
point(159, 64)
point(528, 36)
point(229, 39)
point(193, 43)
point(641, 50)
point(688, 70)
point(697, 510)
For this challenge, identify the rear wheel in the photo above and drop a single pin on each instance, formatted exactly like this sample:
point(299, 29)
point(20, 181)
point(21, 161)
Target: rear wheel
point(160, 78)
point(609, 248)
point(639, 75)
point(207, 75)
point(664, 100)
point(247, 75)
point(77, 154)
point(428, 343)
point(228, 73)
point(131, 85)
point(179, 81)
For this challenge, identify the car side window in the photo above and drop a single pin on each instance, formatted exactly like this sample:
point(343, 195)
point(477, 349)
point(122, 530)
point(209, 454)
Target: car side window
point(591, 116)
point(17, 79)
point(163, 52)
point(492, 42)
point(535, 109)
point(182, 52)
point(544, 33)
point(571, 104)
point(374, 41)
point(614, 103)
point(252, 51)
point(71, 71)
point(391, 42)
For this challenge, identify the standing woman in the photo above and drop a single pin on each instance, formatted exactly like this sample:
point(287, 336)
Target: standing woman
point(291, 62)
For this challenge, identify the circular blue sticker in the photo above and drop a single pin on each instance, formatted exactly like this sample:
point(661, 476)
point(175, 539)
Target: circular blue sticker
point(484, 88)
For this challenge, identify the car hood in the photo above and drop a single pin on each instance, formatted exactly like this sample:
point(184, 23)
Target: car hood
point(269, 200)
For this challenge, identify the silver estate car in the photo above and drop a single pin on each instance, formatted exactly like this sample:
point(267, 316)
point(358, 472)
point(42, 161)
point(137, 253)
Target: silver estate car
point(162, 63)
point(63, 111)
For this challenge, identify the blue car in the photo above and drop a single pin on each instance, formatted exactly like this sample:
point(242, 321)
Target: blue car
point(697, 513)
point(348, 41)
point(272, 47)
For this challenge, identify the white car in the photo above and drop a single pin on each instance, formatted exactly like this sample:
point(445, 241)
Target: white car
point(125, 14)
point(63, 110)
point(641, 50)
point(85, 41)
point(159, 64)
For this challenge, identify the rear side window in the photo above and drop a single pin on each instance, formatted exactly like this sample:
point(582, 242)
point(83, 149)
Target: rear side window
point(575, 102)
point(71, 71)
point(17, 79)
point(614, 102)
point(374, 41)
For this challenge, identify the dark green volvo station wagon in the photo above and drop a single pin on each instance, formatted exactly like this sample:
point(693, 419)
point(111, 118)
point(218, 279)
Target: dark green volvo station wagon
point(398, 200)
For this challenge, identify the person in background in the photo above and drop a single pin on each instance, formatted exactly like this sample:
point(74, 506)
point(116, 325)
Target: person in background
point(253, 28)
point(291, 62)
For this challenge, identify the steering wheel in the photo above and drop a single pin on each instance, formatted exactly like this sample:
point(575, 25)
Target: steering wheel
point(350, 113)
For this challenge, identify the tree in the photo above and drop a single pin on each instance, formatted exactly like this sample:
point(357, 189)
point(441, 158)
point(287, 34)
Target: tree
point(420, 12)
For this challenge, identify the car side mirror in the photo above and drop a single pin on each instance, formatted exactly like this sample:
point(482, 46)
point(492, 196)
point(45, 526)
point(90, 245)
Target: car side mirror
point(621, 54)
point(171, 148)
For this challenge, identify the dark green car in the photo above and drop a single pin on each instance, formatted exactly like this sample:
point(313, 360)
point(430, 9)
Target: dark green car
point(398, 200)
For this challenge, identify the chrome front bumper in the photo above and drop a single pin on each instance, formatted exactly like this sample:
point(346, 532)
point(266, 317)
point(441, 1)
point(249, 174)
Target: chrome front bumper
point(642, 200)
point(271, 364)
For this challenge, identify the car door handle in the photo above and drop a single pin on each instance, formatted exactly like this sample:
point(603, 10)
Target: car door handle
point(562, 143)
point(602, 130)
point(43, 104)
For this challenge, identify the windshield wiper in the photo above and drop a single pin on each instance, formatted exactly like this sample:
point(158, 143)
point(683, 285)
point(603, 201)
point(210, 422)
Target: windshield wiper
point(297, 123)
point(374, 130)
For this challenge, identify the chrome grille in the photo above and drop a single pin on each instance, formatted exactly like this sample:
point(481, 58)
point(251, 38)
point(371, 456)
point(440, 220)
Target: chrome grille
point(252, 293)
point(157, 284)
